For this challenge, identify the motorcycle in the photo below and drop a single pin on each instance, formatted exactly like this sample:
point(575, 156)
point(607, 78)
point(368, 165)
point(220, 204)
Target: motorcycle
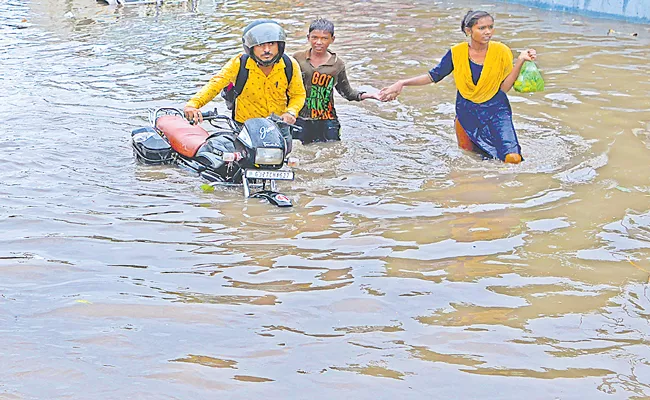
point(253, 154)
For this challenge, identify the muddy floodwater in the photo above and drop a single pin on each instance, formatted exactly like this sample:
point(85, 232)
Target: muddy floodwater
point(407, 269)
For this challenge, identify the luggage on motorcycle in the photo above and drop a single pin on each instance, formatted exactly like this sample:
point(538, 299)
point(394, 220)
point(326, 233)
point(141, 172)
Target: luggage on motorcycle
point(230, 92)
point(150, 147)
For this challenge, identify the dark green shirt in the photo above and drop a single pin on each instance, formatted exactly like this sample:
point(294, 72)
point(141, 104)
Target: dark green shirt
point(320, 83)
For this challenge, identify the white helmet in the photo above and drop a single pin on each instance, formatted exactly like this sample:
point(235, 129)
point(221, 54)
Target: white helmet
point(260, 32)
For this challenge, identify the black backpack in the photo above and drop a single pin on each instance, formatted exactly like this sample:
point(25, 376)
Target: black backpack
point(230, 92)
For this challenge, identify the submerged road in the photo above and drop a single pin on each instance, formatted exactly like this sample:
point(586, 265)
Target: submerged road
point(407, 269)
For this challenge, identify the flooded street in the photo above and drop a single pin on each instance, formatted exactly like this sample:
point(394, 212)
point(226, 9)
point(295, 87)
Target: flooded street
point(407, 269)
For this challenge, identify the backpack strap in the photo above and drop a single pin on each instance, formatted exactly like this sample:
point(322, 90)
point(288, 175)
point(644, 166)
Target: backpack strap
point(242, 75)
point(240, 82)
point(288, 69)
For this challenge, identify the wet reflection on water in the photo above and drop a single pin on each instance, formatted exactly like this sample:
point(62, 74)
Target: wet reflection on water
point(407, 268)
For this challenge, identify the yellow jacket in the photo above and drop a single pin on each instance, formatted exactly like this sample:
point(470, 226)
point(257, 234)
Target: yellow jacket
point(262, 95)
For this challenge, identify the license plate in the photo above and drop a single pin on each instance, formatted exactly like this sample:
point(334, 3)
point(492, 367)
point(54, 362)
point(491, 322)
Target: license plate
point(269, 174)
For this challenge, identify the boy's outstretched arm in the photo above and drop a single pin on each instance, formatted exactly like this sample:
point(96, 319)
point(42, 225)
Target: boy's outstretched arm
point(345, 89)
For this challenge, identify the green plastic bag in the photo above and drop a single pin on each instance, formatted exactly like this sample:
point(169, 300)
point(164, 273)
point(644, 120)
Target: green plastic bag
point(530, 79)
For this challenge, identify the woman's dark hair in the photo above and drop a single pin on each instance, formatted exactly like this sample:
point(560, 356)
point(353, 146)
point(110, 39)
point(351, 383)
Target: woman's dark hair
point(322, 24)
point(471, 18)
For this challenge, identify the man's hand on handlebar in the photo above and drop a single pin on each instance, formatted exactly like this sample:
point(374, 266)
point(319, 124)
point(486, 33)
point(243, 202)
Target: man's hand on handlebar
point(288, 118)
point(193, 114)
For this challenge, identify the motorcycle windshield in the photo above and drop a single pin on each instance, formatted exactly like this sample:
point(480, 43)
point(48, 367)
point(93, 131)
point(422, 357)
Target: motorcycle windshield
point(264, 133)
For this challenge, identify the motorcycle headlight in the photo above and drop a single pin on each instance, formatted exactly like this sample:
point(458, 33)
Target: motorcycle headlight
point(269, 156)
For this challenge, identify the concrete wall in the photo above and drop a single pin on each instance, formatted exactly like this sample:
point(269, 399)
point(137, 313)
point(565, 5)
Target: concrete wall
point(630, 10)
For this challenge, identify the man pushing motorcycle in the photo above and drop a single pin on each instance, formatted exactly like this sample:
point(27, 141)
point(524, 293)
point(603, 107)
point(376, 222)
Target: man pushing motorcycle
point(260, 82)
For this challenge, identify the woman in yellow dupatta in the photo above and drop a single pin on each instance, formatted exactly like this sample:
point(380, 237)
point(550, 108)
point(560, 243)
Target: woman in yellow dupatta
point(483, 72)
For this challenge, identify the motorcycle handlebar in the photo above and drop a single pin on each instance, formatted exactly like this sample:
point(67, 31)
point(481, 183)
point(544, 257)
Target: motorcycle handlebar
point(278, 120)
point(208, 115)
point(211, 115)
point(295, 127)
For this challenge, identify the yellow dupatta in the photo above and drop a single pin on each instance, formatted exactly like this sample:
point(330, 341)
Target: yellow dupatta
point(497, 66)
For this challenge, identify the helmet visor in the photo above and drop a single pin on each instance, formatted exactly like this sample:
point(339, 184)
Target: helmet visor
point(264, 33)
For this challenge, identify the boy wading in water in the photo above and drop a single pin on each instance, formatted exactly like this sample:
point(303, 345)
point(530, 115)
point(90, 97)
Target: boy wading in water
point(322, 72)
